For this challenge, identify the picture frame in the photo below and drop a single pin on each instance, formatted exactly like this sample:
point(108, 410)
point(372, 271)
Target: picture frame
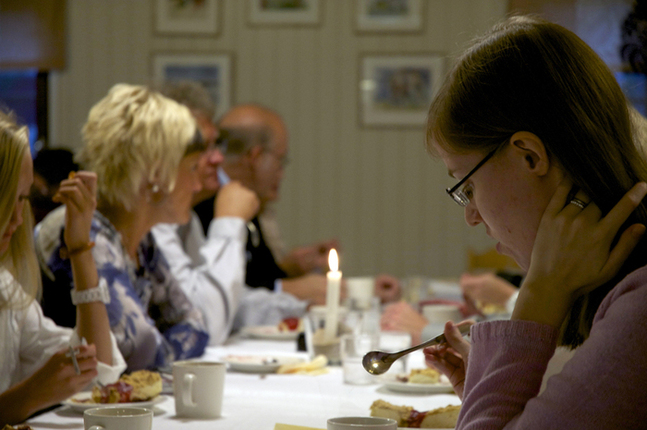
point(390, 15)
point(214, 71)
point(187, 17)
point(397, 90)
point(284, 12)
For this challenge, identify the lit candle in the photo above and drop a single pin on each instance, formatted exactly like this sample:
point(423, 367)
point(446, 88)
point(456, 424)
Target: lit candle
point(333, 287)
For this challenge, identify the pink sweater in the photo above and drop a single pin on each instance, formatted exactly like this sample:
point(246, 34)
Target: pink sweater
point(604, 385)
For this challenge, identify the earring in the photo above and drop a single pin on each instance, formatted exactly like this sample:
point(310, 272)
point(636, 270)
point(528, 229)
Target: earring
point(155, 195)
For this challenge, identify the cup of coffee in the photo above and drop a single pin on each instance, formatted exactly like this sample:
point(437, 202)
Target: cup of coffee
point(363, 423)
point(198, 388)
point(118, 419)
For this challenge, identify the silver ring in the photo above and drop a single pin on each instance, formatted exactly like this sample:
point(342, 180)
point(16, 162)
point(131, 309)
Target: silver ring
point(579, 203)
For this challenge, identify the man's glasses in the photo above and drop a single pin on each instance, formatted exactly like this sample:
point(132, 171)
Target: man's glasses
point(458, 192)
point(220, 144)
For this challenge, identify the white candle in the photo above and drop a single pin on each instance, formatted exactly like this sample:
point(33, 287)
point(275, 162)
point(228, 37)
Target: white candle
point(333, 287)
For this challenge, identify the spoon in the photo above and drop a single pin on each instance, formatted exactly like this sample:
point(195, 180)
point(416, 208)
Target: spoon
point(378, 362)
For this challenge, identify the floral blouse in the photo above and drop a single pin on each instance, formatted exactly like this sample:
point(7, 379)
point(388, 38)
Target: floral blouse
point(151, 317)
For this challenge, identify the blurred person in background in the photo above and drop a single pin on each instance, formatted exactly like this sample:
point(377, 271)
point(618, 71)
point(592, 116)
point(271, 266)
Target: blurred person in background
point(211, 267)
point(51, 166)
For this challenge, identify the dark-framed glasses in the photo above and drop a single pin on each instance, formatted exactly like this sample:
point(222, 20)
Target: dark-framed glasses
point(221, 143)
point(458, 192)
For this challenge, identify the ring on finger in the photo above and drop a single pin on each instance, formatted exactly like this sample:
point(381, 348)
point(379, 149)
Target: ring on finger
point(579, 203)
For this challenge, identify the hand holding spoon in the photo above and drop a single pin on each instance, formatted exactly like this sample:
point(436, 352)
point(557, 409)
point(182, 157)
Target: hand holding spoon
point(378, 362)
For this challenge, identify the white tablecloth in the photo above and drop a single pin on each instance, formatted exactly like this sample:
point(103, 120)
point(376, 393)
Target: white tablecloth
point(254, 401)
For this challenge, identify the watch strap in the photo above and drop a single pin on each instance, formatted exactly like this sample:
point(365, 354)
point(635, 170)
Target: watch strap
point(98, 294)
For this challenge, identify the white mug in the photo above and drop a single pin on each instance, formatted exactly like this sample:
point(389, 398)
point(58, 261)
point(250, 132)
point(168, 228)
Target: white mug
point(198, 388)
point(362, 423)
point(118, 419)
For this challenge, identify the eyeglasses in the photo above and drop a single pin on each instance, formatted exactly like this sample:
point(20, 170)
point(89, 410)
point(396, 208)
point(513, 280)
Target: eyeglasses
point(458, 192)
point(220, 144)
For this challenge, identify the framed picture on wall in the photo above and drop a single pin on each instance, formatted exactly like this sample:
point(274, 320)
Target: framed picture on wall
point(188, 17)
point(296, 12)
point(214, 71)
point(396, 90)
point(390, 15)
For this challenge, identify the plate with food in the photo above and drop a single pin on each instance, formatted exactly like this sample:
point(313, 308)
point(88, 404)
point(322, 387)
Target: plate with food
point(258, 363)
point(408, 417)
point(420, 381)
point(141, 388)
point(83, 400)
point(287, 329)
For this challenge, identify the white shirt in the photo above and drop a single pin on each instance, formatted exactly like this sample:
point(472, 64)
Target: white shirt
point(211, 271)
point(29, 339)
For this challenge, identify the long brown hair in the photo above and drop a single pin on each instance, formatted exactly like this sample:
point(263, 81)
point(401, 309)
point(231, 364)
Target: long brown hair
point(527, 74)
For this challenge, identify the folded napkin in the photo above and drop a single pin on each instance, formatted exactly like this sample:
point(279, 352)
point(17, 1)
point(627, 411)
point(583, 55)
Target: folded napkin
point(279, 426)
point(315, 367)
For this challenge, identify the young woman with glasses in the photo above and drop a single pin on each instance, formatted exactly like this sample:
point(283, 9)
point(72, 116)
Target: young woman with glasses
point(537, 130)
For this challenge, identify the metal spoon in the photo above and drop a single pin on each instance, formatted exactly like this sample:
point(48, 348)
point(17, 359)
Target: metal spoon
point(378, 362)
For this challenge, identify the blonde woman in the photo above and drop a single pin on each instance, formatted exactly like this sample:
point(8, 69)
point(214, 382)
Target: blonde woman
point(37, 370)
point(145, 149)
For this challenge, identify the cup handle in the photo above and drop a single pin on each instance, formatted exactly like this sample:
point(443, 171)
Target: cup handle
point(187, 389)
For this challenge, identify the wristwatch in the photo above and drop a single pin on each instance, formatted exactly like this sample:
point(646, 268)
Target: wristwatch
point(98, 294)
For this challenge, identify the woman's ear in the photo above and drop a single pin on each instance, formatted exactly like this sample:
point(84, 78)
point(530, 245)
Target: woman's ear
point(531, 152)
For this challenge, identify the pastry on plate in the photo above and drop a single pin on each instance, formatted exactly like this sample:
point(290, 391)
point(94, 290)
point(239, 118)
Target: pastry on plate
point(421, 376)
point(408, 417)
point(139, 386)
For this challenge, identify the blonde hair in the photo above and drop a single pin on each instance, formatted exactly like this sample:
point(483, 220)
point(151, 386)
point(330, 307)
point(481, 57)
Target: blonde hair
point(19, 259)
point(135, 136)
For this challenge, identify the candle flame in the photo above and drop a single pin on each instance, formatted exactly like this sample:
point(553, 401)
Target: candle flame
point(333, 260)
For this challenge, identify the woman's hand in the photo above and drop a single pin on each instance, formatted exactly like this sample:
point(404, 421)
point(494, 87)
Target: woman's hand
point(79, 196)
point(57, 379)
point(573, 253)
point(51, 384)
point(450, 358)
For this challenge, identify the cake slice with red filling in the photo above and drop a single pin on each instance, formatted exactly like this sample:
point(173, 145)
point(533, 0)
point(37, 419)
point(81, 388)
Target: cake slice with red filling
point(408, 417)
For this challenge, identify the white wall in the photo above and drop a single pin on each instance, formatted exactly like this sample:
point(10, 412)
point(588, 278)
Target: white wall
point(375, 189)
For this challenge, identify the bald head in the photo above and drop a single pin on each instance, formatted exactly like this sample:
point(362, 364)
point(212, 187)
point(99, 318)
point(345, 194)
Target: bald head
point(258, 149)
point(255, 118)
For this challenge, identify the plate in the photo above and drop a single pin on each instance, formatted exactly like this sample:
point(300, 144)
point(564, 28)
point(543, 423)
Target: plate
point(258, 363)
point(73, 402)
point(391, 383)
point(269, 332)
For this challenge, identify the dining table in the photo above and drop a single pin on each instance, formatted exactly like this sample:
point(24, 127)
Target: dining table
point(261, 400)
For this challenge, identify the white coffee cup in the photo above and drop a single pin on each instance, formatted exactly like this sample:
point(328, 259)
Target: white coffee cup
point(441, 313)
point(363, 423)
point(118, 419)
point(360, 290)
point(198, 388)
